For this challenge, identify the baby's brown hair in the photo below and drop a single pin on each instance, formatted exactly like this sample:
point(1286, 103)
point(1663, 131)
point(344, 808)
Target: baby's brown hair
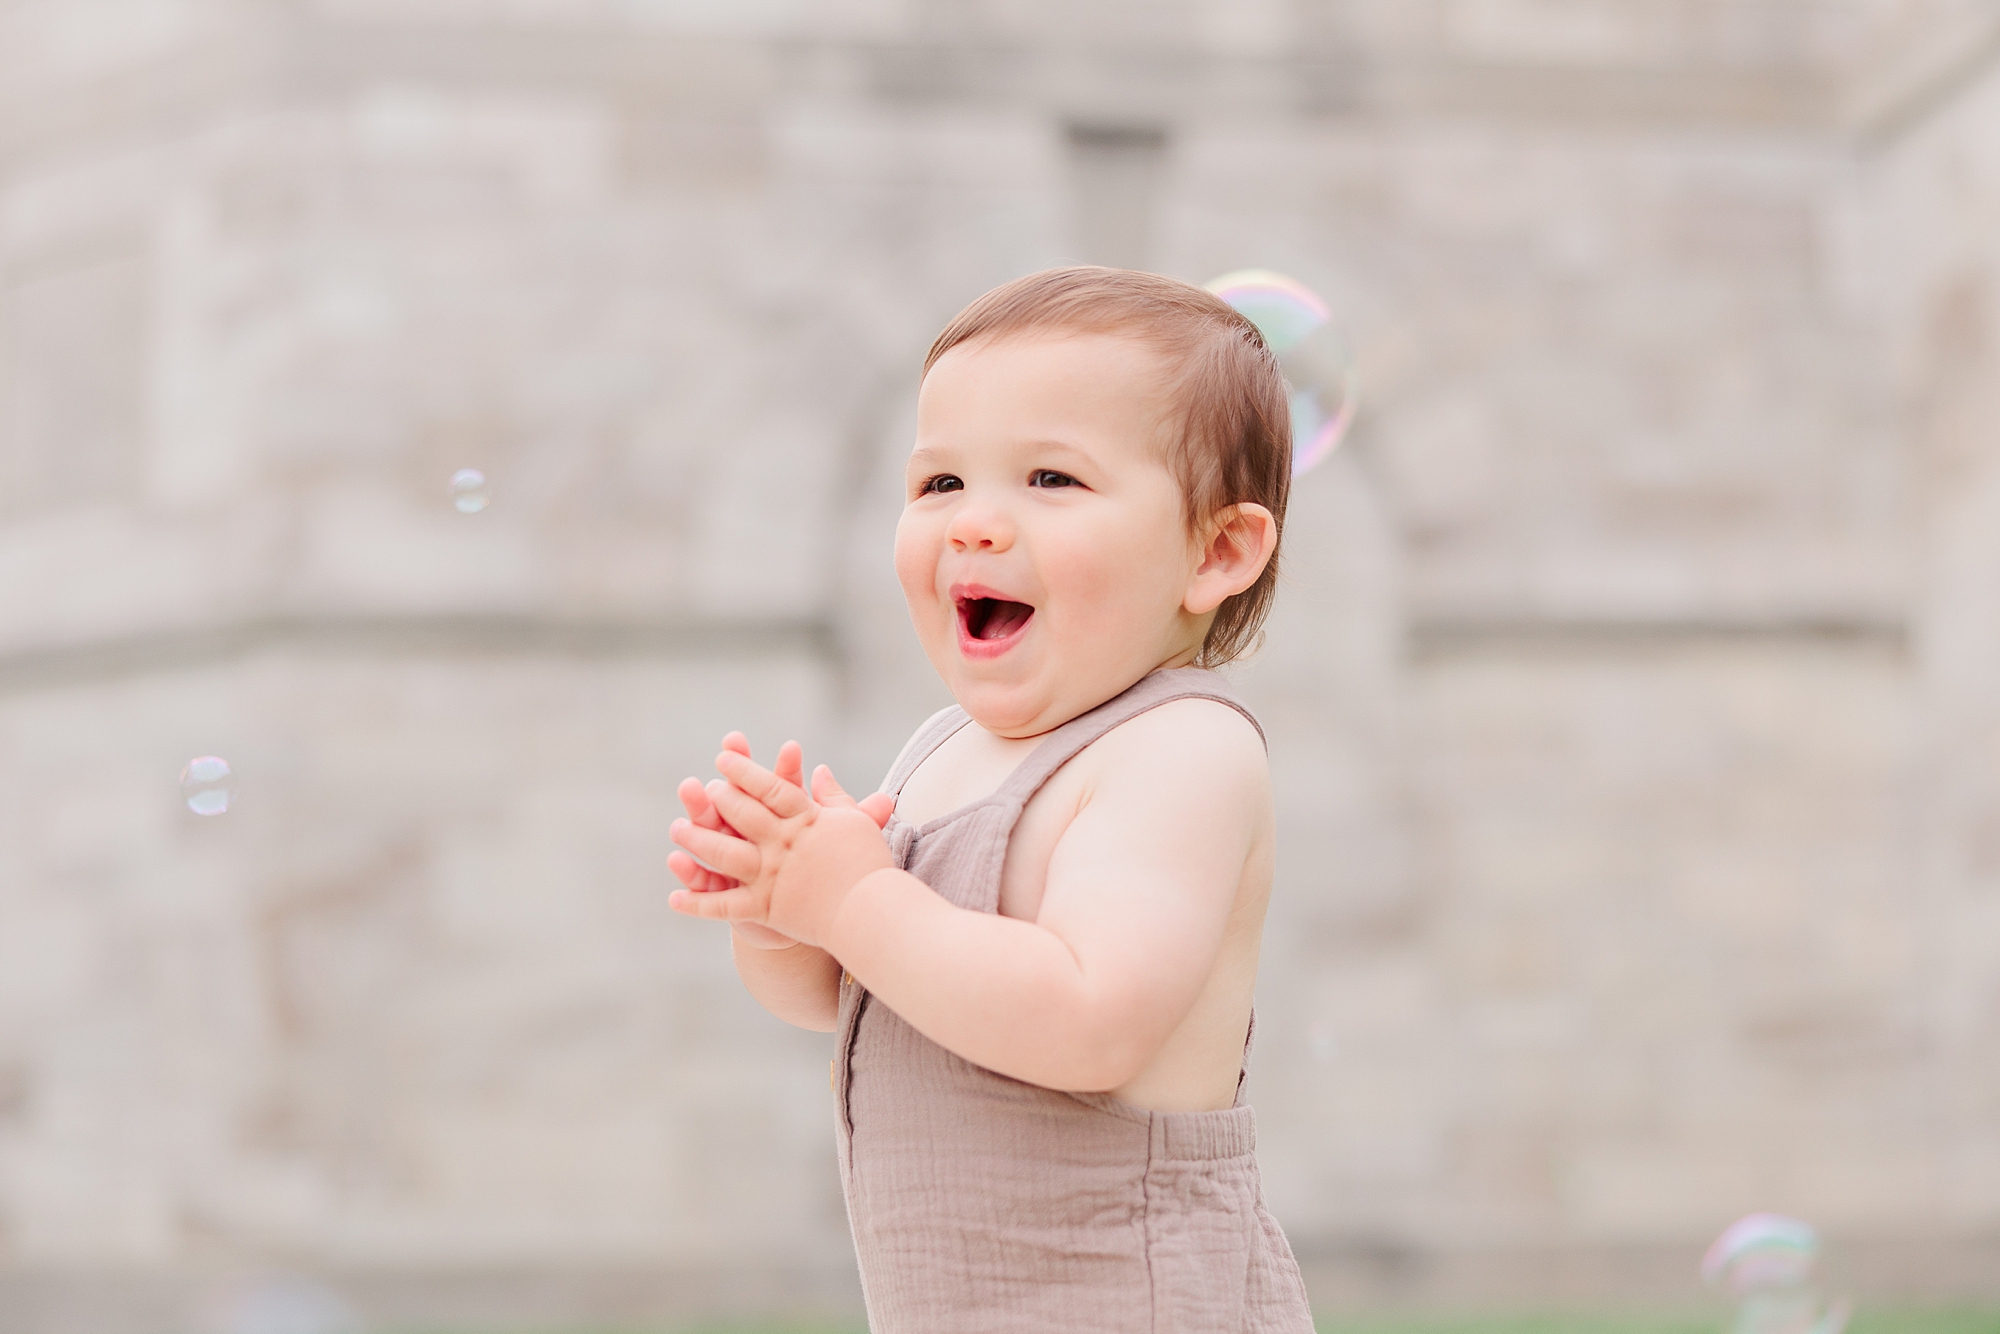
point(1235, 441)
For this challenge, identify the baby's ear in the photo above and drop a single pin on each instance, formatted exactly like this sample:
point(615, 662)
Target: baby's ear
point(1238, 545)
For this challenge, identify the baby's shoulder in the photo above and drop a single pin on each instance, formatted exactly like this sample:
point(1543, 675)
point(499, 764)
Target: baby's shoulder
point(1182, 739)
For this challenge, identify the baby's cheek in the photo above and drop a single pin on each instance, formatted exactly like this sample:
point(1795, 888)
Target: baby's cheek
point(917, 571)
point(1096, 579)
point(916, 560)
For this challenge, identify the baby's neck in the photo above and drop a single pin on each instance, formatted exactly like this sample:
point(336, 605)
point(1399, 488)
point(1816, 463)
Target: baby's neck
point(968, 767)
point(1002, 729)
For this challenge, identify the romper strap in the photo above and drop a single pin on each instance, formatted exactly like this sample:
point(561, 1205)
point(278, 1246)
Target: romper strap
point(934, 733)
point(1063, 744)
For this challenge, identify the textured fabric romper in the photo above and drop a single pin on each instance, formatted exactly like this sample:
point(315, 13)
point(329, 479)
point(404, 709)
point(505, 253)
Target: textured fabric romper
point(981, 1203)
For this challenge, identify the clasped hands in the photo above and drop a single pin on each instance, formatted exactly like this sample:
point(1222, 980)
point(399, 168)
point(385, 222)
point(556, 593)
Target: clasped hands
point(784, 854)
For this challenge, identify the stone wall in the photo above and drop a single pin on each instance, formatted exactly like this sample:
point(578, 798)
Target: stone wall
point(1631, 688)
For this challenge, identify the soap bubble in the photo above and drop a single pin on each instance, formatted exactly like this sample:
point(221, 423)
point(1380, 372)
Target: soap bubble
point(1766, 1262)
point(207, 785)
point(469, 491)
point(1318, 365)
point(279, 1304)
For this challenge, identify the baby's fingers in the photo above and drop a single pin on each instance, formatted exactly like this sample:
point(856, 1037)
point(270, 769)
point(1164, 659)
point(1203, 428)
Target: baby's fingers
point(744, 811)
point(735, 905)
point(701, 810)
point(730, 856)
point(827, 792)
point(791, 765)
point(696, 876)
point(694, 800)
point(782, 798)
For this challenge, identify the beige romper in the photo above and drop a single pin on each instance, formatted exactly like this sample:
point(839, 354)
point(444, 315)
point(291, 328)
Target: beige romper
point(980, 1203)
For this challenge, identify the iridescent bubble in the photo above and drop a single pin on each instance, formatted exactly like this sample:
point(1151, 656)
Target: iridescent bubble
point(207, 785)
point(1318, 365)
point(1766, 1263)
point(279, 1304)
point(469, 491)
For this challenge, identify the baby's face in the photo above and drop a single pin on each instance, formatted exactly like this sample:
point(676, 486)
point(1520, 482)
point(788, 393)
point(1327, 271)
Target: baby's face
point(1043, 549)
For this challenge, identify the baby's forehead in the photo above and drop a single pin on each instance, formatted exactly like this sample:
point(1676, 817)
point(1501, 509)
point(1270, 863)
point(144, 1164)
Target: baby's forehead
point(1051, 377)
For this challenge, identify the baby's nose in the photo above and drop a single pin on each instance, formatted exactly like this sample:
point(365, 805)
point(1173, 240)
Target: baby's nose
point(980, 529)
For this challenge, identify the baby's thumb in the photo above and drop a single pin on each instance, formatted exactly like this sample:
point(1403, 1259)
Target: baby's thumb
point(827, 792)
point(878, 807)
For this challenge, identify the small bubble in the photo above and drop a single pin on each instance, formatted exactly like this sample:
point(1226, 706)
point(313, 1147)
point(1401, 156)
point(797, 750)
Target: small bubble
point(469, 491)
point(1318, 365)
point(1766, 1263)
point(207, 785)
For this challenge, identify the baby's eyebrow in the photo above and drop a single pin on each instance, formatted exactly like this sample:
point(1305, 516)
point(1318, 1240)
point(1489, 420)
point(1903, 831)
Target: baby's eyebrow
point(1062, 446)
point(925, 457)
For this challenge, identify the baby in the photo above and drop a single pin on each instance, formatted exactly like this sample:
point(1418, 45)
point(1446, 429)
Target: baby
point(1038, 944)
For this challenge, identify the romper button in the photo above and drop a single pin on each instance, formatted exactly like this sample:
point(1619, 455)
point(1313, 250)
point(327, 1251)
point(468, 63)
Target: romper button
point(845, 977)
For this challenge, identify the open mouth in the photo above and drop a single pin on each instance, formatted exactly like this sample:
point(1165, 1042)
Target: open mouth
point(991, 620)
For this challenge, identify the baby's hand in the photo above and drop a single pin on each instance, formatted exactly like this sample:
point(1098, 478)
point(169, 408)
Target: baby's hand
point(795, 856)
point(702, 812)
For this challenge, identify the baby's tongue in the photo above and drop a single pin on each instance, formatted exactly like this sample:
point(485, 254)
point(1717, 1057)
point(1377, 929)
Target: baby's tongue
point(1004, 619)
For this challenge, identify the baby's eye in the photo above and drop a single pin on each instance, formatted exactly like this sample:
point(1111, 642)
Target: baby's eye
point(1050, 477)
point(939, 484)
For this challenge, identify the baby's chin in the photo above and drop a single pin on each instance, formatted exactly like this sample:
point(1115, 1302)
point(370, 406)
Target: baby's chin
point(1036, 704)
point(1005, 708)
point(1007, 699)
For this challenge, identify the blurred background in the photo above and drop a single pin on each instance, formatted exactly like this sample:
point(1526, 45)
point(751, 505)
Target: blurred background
point(1634, 691)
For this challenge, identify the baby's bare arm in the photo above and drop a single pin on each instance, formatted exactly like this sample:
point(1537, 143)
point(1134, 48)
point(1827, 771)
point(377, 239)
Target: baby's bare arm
point(797, 983)
point(1137, 902)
